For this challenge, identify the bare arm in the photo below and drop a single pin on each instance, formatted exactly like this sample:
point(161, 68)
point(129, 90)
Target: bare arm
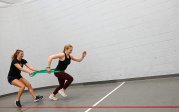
point(30, 67)
point(22, 69)
point(54, 56)
point(78, 59)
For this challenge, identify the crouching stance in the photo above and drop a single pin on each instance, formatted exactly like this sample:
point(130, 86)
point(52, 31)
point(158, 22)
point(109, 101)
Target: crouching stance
point(15, 78)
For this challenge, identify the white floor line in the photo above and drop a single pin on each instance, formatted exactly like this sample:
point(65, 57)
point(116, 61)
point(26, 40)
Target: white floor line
point(105, 96)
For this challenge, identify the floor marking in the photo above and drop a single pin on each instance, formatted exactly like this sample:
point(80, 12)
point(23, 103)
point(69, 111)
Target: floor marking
point(105, 96)
point(159, 107)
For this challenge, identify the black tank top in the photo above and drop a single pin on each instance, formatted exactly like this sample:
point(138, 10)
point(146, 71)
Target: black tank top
point(62, 65)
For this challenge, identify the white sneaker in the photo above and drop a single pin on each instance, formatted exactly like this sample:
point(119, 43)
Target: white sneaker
point(62, 93)
point(52, 97)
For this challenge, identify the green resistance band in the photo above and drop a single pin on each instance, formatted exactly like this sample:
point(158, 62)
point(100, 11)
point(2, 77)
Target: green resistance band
point(44, 71)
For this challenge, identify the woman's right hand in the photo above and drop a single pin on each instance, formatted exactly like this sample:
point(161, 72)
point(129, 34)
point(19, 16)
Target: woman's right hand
point(48, 69)
point(30, 72)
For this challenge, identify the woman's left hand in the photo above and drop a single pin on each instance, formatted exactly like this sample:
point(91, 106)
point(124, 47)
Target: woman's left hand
point(84, 54)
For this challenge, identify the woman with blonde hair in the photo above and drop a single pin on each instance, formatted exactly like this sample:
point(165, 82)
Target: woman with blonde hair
point(64, 78)
point(15, 78)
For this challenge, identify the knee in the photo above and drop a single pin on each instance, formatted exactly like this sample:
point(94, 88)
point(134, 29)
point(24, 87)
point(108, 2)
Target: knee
point(71, 79)
point(22, 87)
point(29, 86)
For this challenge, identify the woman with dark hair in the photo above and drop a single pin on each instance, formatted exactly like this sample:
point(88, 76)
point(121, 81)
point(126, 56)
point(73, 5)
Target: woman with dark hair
point(64, 78)
point(15, 78)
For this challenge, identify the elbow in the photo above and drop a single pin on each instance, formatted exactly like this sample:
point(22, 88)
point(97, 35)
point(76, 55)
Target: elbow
point(49, 58)
point(79, 60)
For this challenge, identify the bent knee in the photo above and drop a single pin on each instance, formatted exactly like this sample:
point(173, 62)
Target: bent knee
point(29, 86)
point(22, 87)
point(71, 79)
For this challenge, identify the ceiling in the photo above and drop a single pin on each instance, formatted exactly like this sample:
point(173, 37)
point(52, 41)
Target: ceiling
point(6, 3)
point(11, 1)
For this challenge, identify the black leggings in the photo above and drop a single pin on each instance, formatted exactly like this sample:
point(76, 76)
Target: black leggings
point(62, 76)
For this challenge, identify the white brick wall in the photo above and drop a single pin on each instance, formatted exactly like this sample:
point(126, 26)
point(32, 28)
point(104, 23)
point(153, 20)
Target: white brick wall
point(123, 38)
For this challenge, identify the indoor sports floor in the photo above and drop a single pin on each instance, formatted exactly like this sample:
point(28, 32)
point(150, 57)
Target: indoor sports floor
point(146, 95)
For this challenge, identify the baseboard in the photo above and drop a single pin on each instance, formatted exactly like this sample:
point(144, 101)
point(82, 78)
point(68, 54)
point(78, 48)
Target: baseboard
point(106, 81)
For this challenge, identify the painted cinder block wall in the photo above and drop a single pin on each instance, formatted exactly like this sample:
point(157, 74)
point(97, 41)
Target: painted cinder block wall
point(123, 38)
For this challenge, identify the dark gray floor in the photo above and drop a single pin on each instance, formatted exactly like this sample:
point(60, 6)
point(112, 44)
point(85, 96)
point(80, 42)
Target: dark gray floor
point(150, 92)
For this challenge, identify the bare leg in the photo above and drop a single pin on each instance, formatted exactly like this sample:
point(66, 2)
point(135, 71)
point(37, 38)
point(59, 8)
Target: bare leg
point(28, 85)
point(21, 86)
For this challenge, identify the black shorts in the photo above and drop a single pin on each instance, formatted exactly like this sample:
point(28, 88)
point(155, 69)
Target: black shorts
point(11, 78)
